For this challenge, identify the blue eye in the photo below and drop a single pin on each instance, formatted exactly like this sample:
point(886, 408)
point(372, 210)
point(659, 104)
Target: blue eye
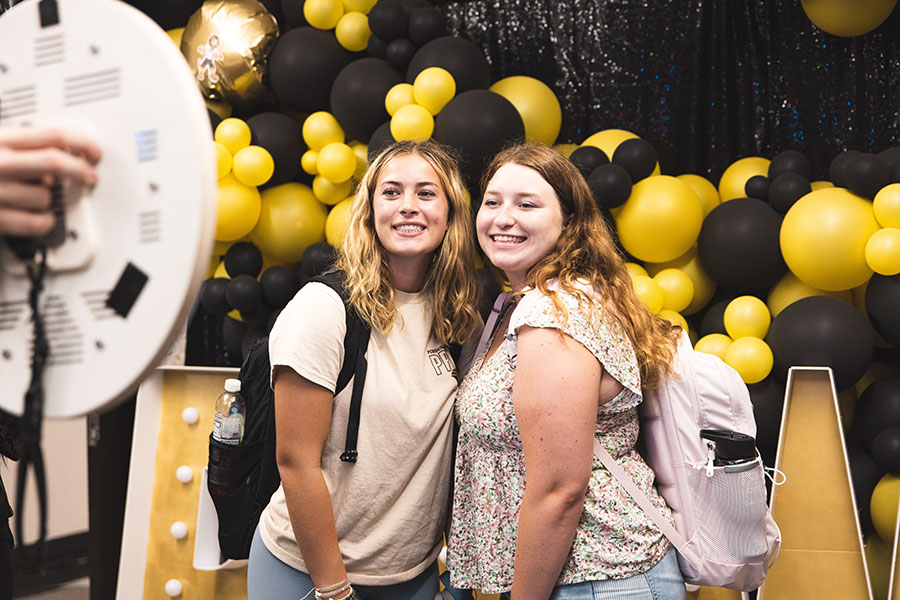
point(490, 203)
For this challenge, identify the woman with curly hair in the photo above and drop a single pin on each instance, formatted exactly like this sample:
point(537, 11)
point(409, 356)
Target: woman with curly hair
point(562, 360)
point(374, 528)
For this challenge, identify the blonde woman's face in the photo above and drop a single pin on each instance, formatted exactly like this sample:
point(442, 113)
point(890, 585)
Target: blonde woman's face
point(410, 210)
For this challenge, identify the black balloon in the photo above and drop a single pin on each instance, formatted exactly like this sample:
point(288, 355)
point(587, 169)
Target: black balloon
point(739, 245)
point(837, 171)
point(377, 47)
point(822, 331)
point(212, 296)
point(282, 137)
point(399, 53)
point(168, 14)
point(426, 24)
point(637, 156)
point(886, 450)
point(877, 409)
point(757, 187)
point(866, 474)
point(293, 14)
point(389, 21)
point(243, 258)
point(895, 172)
point(714, 318)
point(233, 334)
point(258, 317)
point(381, 139)
point(789, 161)
point(279, 284)
point(244, 293)
point(302, 68)
point(478, 123)
point(610, 185)
point(460, 57)
point(866, 174)
point(357, 96)
point(883, 306)
point(588, 158)
point(316, 258)
point(786, 189)
point(767, 397)
point(891, 156)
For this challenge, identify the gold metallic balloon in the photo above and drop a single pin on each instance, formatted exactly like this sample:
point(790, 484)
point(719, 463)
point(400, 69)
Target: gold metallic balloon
point(226, 43)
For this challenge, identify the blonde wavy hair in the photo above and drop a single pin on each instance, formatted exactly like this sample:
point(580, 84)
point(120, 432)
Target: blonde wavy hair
point(451, 286)
point(587, 252)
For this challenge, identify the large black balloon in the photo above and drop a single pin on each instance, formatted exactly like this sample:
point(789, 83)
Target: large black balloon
point(637, 156)
point(786, 189)
point(293, 14)
point(886, 450)
point(891, 155)
point(837, 170)
point(767, 397)
point(168, 14)
point(212, 296)
point(757, 187)
point(426, 24)
point(389, 20)
point(822, 331)
point(478, 123)
point(316, 258)
point(381, 139)
point(866, 174)
point(883, 306)
point(866, 475)
point(244, 293)
point(789, 161)
point(739, 245)
point(877, 409)
point(357, 96)
point(282, 137)
point(588, 158)
point(895, 172)
point(243, 258)
point(462, 58)
point(279, 284)
point(302, 68)
point(610, 185)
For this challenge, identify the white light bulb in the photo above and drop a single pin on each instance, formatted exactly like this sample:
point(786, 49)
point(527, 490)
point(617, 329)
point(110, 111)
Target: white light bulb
point(184, 473)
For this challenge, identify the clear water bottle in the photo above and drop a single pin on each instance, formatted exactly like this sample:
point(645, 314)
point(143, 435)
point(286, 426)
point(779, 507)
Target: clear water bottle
point(231, 410)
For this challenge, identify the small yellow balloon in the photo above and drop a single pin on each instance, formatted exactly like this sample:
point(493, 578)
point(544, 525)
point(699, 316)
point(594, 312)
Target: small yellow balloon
point(412, 122)
point(363, 6)
point(290, 220)
point(336, 162)
point(883, 251)
point(253, 165)
point(751, 358)
point(847, 18)
point(308, 162)
point(362, 158)
point(223, 160)
point(237, 209)
point(747, 316)
point(883, 505)
point(789, 289)
point(323, 14)
point(399, 95)
point(338, 222)
point(320, 129)
point(433, 88)
point(674, 318)
point(818, 185)
point(735, 177)
point(636, 269)
point(536, 104)
point(689, 264)
point(234, 134)
point(887, 205)
point(648, 292)
point(352, 31)
point(608, 140)
point(705, 190)
point(330, 193)
point(714, 343)
point(677, 288)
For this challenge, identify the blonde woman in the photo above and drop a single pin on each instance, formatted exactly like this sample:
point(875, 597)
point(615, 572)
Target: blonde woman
point(534, 515)
point(373, 529)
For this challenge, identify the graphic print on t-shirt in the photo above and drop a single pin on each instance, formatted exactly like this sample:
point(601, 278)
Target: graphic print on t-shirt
point(442, 361)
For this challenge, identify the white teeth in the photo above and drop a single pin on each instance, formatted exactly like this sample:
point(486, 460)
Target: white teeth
point(508, 239)
point(410, 228)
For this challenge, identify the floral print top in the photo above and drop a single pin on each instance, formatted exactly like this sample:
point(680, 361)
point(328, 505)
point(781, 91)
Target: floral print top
point(614, 539)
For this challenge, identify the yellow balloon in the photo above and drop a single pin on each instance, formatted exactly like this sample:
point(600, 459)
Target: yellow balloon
point(823, 238)
point(175, 35)
point(789, 289)
point(818, 185)
point(363, 6)
point(433, 88)
point(661, 219)
point(320, 129)
point(648, 292)
point(338, 222)
point(887, 205)
point(883, 251)
point(352, 31)
point(883, 506)
point(233, 133)
point(635, 269)
point(336, 162)
point(291, 219)
point(323, 14)
point(308, 162)
point(537, 105)
point(747, 316)
point(705, 190)
point(253, 165)
point(879, 554)
point(221, 271)
point(674, 318)
point(330, 193)
point(566, 149)
point(847, 18)
point(751, 358)
point(735, 177)
point(362, 158)
point(223, 160)
point(714, 343)
point(689, 264)
point(677, 287)
point(412, 122)
point(237, 209)
point(608, 140)
point(399, 95)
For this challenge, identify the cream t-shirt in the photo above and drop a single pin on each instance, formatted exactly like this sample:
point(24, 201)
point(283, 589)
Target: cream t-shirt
point(390, 507)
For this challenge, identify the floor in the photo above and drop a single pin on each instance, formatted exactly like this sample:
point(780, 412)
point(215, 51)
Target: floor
point(78, 589)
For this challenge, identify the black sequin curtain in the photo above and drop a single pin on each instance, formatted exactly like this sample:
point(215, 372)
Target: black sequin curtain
point(706, 81)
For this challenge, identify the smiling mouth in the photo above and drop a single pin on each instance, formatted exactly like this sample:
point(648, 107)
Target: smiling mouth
point(507, 239)
point(409, 228)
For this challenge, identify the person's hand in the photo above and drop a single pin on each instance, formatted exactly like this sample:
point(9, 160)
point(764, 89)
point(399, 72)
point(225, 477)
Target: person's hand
point(30, 160)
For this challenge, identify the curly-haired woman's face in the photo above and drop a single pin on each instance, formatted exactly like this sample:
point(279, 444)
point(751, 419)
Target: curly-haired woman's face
point(519, 222)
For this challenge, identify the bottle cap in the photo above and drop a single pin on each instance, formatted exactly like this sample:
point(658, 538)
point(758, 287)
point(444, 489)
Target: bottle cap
point(232, 385)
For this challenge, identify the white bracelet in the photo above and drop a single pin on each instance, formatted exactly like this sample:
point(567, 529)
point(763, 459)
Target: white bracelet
point(334, 593)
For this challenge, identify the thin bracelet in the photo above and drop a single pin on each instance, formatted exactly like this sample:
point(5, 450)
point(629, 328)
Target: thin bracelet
point(334, 587)
point(334, 593)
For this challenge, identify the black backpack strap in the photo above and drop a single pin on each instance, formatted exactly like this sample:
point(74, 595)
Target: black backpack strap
point(356, 341)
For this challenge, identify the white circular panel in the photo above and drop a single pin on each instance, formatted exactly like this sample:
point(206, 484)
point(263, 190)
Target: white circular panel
point(148, 225)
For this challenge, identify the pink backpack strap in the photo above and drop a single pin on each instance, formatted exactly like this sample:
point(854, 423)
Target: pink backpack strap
point(488, 331)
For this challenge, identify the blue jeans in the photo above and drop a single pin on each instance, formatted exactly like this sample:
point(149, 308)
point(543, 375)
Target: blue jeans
point(268, 578)
point(662, 582)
